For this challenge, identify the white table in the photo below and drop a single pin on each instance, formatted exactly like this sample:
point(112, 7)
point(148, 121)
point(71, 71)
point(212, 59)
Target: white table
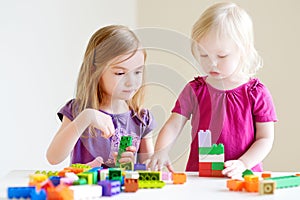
point(195, 188)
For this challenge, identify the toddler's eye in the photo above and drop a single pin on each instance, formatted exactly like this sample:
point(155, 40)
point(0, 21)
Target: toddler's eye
point(222, 56)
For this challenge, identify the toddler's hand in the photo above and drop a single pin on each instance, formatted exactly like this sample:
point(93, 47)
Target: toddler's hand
point(102, 122)
point(159, 160)
point(97, 162)
point(234, 168)
point(127, 156)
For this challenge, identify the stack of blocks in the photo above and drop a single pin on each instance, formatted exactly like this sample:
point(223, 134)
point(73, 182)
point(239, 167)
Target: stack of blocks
point(211, 157)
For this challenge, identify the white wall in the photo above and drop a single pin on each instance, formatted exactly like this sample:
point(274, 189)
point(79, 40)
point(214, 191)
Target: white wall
point(41, 49)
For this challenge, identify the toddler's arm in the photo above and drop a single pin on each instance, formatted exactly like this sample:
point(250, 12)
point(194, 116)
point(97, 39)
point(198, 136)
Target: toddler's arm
point(256, 153)
point(70, 131)
point(165, 140)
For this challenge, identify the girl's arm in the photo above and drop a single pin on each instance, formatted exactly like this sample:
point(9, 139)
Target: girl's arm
point(256, 153)
point(166, 137)
point(146, 149)
point(70, 131)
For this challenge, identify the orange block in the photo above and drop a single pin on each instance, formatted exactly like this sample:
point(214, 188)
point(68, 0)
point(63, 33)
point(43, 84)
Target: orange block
point(131, 185)
point(179, 178)
point(61, 192)
point(235, 185)
point(266, 175)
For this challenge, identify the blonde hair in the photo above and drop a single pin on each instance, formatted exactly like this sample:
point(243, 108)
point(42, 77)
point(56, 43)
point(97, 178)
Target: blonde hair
point(104, 46)
point(228, 19)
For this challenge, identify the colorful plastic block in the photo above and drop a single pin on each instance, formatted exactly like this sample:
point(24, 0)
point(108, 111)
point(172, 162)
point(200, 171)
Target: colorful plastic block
point(19, 192)
point(267, 187)
point(215, 149)
point(179, 178)
point(115, 174)
point(235, 185)
point(125, 142)
point(151, 184)
point(251, 183)
point(131, 185)
point(286, 181)
point(86, 191)
point(149, 176)
point(139, 167)
point(266, 175)
point(204, 138)
point(247, 172)
point(59, 192)
point(127, 166)
point(110, 188)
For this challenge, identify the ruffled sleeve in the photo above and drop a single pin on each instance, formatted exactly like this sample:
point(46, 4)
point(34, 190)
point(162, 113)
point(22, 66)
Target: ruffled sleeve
point(187, 99)
point(148, 121)
point(66, 110)
point(262, 102)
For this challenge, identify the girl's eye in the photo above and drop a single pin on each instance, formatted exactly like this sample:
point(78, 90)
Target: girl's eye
point(203, 55)
point(119, 73)
point(138, 72)
point(222, 56)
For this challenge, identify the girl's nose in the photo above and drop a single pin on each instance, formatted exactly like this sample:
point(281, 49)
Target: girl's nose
point(129, 79)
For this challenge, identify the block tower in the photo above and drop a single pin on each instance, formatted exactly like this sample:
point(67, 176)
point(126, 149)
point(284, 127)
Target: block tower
point(211, 157)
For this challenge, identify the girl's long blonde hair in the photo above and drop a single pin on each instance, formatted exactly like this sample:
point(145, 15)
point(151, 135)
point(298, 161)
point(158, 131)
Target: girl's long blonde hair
point(104, 46)
point(228, 19)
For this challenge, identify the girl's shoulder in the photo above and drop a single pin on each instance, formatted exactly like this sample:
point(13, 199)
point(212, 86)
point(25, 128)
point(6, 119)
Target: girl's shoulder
point(255, 85)
point(144, 117)
point(67, 110)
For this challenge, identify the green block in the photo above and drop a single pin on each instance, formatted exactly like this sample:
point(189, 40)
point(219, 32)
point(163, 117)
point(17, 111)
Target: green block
point(127, 166)
point(126, 141)
point(213, 150)
point(80, 181)
point(149, 176)
point(114, 174)
point(94, 175)
point(286, 181)
point(217, 165)
point(151, 184)
point(247, 172)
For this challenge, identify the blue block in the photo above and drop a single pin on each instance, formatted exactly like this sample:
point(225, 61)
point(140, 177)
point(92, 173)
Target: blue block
point(19, 192)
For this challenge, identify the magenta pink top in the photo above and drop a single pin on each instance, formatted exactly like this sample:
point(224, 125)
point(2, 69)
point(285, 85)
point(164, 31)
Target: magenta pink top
point(230, 115)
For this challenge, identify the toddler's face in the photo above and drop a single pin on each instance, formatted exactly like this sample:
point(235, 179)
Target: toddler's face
point(219, 57)
point(122, 80)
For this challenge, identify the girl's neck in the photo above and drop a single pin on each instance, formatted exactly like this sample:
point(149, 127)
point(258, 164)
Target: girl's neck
point(114, 106)
point(228, 83)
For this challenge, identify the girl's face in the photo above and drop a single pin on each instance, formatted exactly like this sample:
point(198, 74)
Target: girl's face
point(122, 80)
point(219, 58)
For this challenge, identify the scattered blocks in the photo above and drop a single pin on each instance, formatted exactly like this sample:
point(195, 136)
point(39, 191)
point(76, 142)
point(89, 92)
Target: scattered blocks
point(110, 188)
point(267, 187)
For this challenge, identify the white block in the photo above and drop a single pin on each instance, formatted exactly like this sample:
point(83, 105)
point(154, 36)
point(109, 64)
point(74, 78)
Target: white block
point(211, 158)
point(86, 191)
point(204, 138)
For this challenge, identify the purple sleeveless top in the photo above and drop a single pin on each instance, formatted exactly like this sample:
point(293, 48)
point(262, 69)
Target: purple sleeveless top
point(88, 147)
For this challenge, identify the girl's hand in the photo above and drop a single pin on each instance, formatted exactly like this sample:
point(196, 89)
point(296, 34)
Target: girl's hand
point(234, 168)
point(97, 162)
point(102, 122)
point(159, 160)
point(127, 156)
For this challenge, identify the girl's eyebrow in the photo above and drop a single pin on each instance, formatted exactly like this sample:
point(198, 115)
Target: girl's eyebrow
point(126, 69)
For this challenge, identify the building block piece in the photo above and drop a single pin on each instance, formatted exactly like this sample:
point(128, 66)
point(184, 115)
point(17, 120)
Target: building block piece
point(267, 187)
point(89, 177)
point(35, 179)
point(235, 185)
point(151, 184)
point(205, 172)
point(59, 192)
point(80, 181)
point(167, 177)
point(217, 173)
point(131, 185)
point(217, 166)
point(212, 158)
point(286, 181)
point(205, 165)
point(38, 195)
point(125, 142)
point(19, 192)
point(251, 183)
point(86, 191)
point(55, 180)
point(127, 166)
point(179, 178)
point(115, 174)
point(247, 172)
point(204, 138)
point(149, 176)
point(132, 174)
point(110, 188)
point(265, 175)
point(47, 173)
point(214, 149)
point(139, 167)
point(103, 174)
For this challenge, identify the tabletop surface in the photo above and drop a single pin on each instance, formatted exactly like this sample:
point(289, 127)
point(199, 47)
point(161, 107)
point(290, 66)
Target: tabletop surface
point(196, 187)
